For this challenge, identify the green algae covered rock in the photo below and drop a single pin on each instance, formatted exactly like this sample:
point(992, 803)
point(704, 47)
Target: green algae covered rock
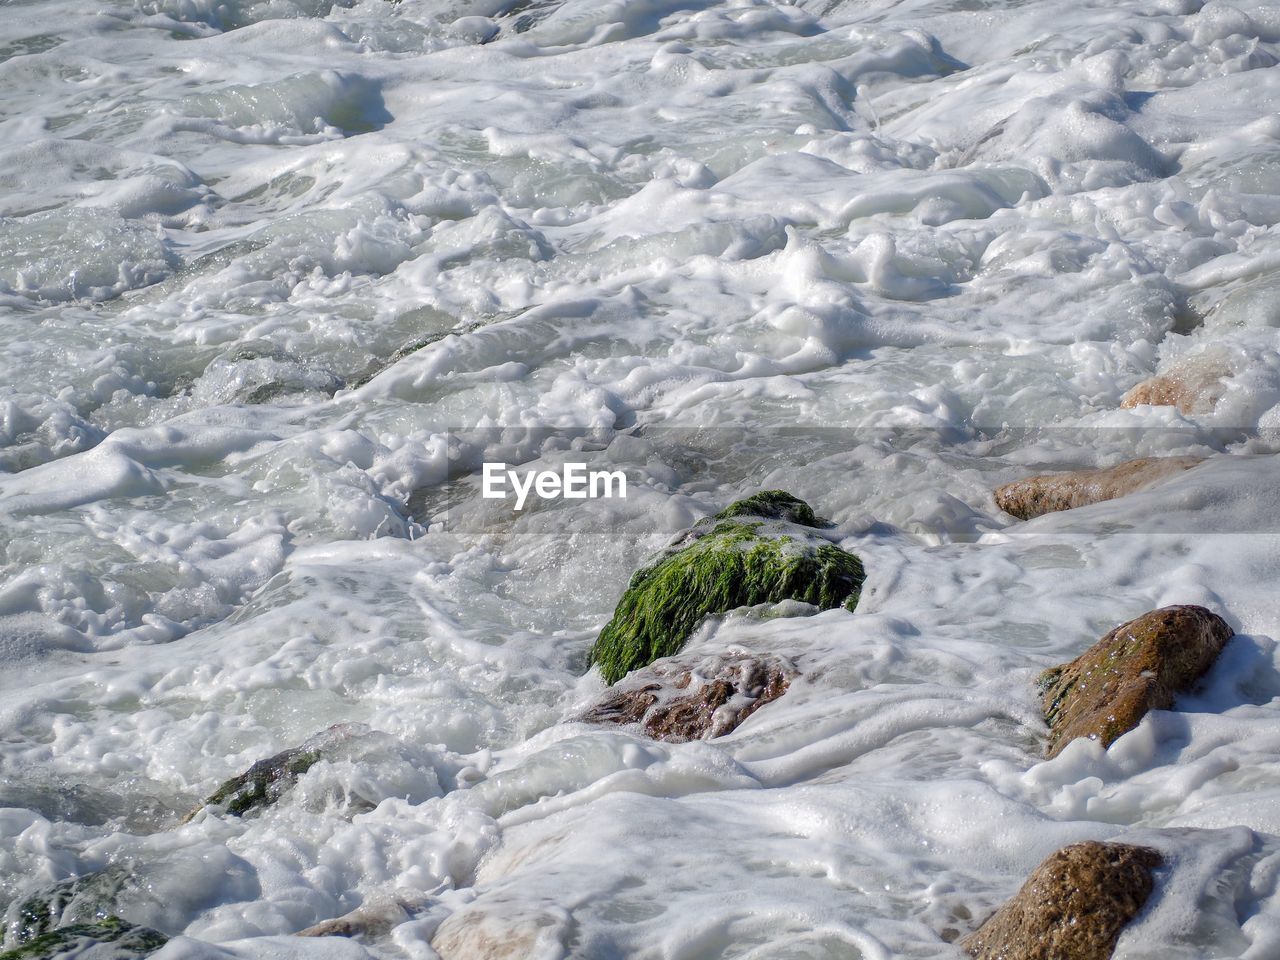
point(764, 549)
point(84, 899)
point(772, 505)
point(268, 780)
point(264, 782)
point(108, 939)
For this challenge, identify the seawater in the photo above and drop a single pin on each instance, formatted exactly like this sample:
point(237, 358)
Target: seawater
point(277, 278)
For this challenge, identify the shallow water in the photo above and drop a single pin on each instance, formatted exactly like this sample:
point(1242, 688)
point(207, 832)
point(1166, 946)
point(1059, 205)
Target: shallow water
point(277, 277)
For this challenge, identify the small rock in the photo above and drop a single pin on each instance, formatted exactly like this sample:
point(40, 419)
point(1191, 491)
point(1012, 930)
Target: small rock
point(1139, 666)
point(371, 919)
point(1072, 907)
point(764, 549)
point(508, 932)
point(678, 699)
point(1049, 493)
point(268, 780)
point(109, 939)
point(1193, 385)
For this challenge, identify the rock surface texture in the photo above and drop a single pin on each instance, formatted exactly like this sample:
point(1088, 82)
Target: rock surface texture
point(512, 933)
point(268, 780)
point(678, 699)
point(1051, 492)
point(84, 899)
point(1193, 385)
point(764, 549)
point(1139, 666)
point(109, 939)
point(1072, 907)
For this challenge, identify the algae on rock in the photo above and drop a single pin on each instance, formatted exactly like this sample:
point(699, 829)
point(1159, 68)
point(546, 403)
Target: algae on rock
point(109, 939)
point(764, 549)
point(83, 899)
point(772, 505)
point(268, 780)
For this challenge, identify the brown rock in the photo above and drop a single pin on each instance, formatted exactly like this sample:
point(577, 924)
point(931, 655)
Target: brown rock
point(684, 698)
point(1194, 385)
point(369, 920)
point(1139, 666)
point(1072, 907)
point(1051, 492)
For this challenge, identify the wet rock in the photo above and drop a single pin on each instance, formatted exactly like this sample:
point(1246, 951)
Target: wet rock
point(109, 939)
point(1072, 907)
point(372, 919)
point(506, 931)
point(773, 505)
point(678, 699)
point(268, 780)
point(87, 898)
point(1193, 385)
point(764, 549)
point(1052, 492)
point(255, 374)
point(1139, 666)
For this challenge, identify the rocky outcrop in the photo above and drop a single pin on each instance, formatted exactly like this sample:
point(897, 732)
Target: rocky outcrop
point(108, 939)
point(764, 549)
point(678, 699)
point(268, 780)
point(1193, 385)
point(1052, 492)
point(1139, 666)
point(1072, 907)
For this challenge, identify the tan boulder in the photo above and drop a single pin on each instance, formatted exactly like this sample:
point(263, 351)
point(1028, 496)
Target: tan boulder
point(1072, 907)
point(501, 932)
point(1051, 492)
point(1193, 385)
point(1139, 666)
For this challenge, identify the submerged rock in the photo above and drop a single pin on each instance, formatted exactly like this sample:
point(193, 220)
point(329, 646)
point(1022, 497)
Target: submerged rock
point(109, 939)
point(268, 780)
point(509, 932)
point(1049, 493)
point(1139, 666)
point(678, 699)
point(375, 918)
point(764, 549)
point(1193, 385)
point(1072, 907)
point(76, 900)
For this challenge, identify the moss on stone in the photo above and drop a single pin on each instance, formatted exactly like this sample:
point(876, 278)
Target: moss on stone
point(264, 782)
point(774, 505)
point(736, 559)
point(83, 899)
point(128, 940)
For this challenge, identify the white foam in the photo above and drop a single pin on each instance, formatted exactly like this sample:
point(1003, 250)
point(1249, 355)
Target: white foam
point(270, 271)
